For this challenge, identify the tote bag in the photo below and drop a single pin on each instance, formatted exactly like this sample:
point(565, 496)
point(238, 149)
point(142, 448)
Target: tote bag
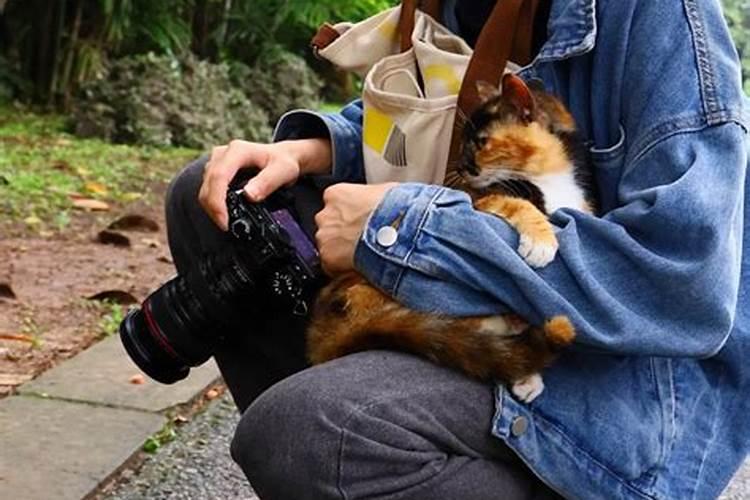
point(420, 82)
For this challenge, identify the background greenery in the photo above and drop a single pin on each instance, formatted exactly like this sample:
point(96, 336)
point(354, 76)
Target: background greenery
point(130, 69)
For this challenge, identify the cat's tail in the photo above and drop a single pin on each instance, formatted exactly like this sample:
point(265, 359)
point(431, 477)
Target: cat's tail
point(559, 332)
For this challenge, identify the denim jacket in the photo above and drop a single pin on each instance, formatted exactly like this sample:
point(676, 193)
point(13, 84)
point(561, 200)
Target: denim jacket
point(653, 401)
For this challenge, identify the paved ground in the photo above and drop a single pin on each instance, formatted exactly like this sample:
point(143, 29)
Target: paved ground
point(196, 466)
point(76, 424)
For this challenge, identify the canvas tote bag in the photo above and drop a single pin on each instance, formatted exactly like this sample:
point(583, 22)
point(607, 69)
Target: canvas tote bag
point(420, 82)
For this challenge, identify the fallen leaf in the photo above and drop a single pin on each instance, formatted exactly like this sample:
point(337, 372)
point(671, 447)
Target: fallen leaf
point(117, 296)
point(62, 165)
point(20, 337)
point(6, 291)
point(14, 378)
point(90, 204)
point(151, 242)
point(134, 222)
point(165, 258)
point(137, 379)
point(107, 237)
point(180, 419)
point(96, 188)
point(212, 394)
point(132, 196)
point(33, 220)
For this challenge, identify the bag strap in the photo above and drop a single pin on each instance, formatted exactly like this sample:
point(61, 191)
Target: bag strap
point(492, 51)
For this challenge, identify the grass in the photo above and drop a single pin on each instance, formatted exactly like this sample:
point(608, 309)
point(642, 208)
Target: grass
point(43, 168)
point(112, 316)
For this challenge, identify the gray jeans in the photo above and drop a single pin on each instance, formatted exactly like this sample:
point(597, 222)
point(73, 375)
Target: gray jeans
point(375, 425)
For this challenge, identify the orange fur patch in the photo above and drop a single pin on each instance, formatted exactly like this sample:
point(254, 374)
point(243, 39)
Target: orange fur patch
point(559, 330)
point(524, 148)
point(519, 213)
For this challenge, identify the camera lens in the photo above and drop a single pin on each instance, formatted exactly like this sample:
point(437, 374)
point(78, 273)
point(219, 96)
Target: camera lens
point(177, 326)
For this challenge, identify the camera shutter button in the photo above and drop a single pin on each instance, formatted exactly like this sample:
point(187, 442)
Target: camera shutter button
point(386, 236)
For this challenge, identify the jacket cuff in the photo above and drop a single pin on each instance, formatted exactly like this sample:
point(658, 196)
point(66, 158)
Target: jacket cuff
point(392, 233)
point(344, 137)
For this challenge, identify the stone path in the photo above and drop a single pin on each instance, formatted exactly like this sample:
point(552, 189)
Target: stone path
point(74, 426)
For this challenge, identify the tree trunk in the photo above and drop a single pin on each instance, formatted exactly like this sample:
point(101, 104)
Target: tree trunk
point(70, 52)
point(201, 28)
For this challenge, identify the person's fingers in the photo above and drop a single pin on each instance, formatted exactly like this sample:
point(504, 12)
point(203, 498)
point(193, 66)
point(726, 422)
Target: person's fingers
point(219, 174)
point(276, 173)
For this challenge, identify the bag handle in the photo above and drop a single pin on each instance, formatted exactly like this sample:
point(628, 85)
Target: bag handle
point(492, 51)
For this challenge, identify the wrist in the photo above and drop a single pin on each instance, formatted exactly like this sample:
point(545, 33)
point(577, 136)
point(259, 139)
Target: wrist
point(313, 156)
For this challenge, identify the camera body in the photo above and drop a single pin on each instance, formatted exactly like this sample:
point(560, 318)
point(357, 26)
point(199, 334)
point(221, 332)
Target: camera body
point(269, 264)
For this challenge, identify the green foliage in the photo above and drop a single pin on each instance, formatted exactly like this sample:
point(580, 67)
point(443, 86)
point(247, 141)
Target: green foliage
point(737, 14)
point(278, 82)
point(161, 101)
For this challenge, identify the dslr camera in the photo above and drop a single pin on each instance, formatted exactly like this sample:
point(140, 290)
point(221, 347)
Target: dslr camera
point(269, 263)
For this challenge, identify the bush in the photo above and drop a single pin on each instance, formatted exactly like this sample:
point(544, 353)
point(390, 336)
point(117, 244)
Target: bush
point(278, 82)
point(158, 100)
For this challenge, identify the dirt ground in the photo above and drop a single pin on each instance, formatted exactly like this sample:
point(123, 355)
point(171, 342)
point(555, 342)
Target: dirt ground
point(52, 316)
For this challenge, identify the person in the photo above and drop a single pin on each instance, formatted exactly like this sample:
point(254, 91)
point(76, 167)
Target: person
point(651, 402)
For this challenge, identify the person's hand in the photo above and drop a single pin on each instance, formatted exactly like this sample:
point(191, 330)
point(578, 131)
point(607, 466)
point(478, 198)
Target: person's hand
point(280, 164)
point(342, 220)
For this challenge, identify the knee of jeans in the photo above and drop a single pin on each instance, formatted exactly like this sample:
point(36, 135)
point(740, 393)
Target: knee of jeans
point(183, 190)
point(287, 436)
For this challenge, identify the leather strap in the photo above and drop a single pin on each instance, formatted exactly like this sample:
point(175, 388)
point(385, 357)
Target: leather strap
point(494, 48)
point(325, 36)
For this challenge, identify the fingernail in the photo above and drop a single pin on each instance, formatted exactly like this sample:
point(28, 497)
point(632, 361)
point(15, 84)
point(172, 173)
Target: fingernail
point(252, 192)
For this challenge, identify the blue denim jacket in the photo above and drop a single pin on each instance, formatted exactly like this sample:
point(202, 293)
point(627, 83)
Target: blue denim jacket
point(654, 399)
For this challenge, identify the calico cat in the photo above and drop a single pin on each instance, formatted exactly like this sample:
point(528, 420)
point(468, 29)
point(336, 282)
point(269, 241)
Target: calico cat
point(522, 159)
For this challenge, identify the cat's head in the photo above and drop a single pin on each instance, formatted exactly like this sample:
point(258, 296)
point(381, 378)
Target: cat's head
point(515, 134)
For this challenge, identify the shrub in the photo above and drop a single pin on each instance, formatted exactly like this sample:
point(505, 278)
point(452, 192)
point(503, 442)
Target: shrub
point(279, 81)
point(159, 100)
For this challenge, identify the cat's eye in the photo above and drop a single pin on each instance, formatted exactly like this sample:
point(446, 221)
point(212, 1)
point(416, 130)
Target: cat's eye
point(480, 141)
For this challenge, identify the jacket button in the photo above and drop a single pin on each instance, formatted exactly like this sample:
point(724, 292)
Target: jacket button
point(386, 236)
point(519, 426)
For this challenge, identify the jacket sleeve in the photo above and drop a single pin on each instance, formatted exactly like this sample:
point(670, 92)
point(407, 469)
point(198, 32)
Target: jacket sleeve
point(343, 128)
point(659, 275)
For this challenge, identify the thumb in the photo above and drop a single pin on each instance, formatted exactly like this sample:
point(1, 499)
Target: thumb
point(269, 180)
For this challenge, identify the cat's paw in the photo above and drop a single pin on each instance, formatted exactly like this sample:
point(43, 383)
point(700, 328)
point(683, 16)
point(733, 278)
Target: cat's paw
point(529, 388)
point(537, 253)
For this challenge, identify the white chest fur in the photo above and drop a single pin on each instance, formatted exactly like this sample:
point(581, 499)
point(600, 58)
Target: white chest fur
point(560, 191)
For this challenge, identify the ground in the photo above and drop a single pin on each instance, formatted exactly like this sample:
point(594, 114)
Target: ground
point(57, 194)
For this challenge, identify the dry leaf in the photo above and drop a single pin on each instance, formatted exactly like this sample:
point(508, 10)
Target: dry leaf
point(96, 188)
point(14, 378)
point(107, 237)
point(20, 337)
point(165, 258)
point(137, 379)
point(212, 394)
point(90, 204)
point(117, 296)
point(134, 222)
point(132, 196)
point(151, 242)
point(6, 291)
point(62, 165)
point(180, 419)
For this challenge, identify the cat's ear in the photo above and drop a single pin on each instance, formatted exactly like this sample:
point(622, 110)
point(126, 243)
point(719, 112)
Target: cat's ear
point(486, 91)
point(517, 93)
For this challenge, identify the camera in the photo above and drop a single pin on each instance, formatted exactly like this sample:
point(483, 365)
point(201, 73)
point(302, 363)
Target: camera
point(269, 263)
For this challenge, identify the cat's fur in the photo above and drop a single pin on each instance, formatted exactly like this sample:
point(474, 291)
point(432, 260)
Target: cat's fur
point(522, 158)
